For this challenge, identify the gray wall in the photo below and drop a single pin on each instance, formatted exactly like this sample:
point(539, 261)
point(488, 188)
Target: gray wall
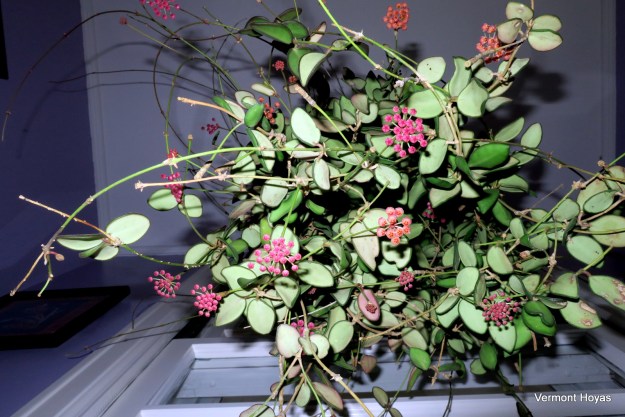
point(46, 153)
point(569, 90)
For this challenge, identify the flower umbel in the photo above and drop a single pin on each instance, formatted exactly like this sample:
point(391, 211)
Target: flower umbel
point(500, 309)
point(407, 131)
point(301, 328)
point(392, 227)
point(275, 257)
point(397, 18)
point(175, 186)
point(406, 278)
point(206, 301)
point(490, 42)
point(164, 9)
point(165, 284)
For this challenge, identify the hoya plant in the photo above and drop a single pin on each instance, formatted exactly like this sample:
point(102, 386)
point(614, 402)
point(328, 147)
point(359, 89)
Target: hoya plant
point(374, 206)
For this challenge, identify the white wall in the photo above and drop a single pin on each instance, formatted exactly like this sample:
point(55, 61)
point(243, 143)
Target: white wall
point(570, 91)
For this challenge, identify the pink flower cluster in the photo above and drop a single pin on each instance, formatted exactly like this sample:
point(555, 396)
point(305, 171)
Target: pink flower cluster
point(211, 127)
point(406, 130)
point(428, 213)
point(175, 186)
point(391, 227)
point(275, 255)
point(206, 301)
point(301, 328)
point(165, 284)
point(406, 279)
point(163, 8)
point(499, 309)
point(490, 43)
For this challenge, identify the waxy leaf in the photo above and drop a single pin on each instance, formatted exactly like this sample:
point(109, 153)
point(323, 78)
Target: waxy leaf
point(431, 159)
point(611, 289)
point(308, 65)
point(508, 30)
point(428, 103)
point(472, 317)
point(510, 131)
point(565, 286)
point(162, 200)
point(498, 261)
point(466, 280)
point(518, 10)
point(329, 395)
point(488, 356)
point(276, 31)
point(547, 21)
point(544, 39)
point(315, 274)
point(431, 69)
point(304, 127)
point(261, 316)
point(288, 289)
point(258, 410)
point(230, 309)
point(609, 230)
point(80, 242)
point(420, 358)
point(472, 100)
point(128, 228)
point(273, 192)
point(584, 248)
point(489, 156)
point(581, 315)
point(191, 206)
point(340, 335)
point(503, 336)
point(287, 340)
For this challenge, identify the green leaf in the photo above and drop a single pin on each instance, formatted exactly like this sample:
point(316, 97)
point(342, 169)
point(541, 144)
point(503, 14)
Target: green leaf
point(380, 396)
point(518, 10)
point(276, 31)
point(467, 254)
point(544, 39)
point(605, 228)
point(538, 318)
point(503, 336)
point(303, 396)
point(315, 274)
point(584, 248)
point(400, 255)
point(329, 395)
point(80, 242)
point(510, 131)
point(253, 115)
point(298, 30)
point(128, 228)
point(477, 368)
point(413, 338)
point(287, 340)
point(321, 174)
point(508, 30)
point(230, 309)
point(420, 358)
point(162, 200)
point(308, 65)
point(427, 103)
point(432, 69)
point(581, 315)
point(611, 289)
point(472, 99)
point(321, 343)
point(236, 275)
point(366, 244)
point(340, 335)
point(431, 159)
point(498, 261)
point(599, 202)
point(565, 286)
point(106, 253)
point(472, 317)
point(567, 210)
point(261, 316)
point(438, 197)
point(489, 156)
point(304, 127)
point(287, 289)
point(461, 77)
point(268, 154)
point(191, 206)
point(293, 58)
point(502, 214)
point(493, 103)
point(467, 279)
point(258, 410)
point(273, 192)
point(547, 21)
point(197, 254)
point(387, 176)
point(245, 167)
point(488, 356)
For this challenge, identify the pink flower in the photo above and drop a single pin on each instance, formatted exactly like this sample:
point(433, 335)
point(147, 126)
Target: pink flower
point(392, 227)
point(165, 284)
point(163, 8)
point(276, 257)
point(500, 309)
point(206, 301)
point(279, 65)
point(302, 330)
point(398, 17)
point(407, 131)
point(406, 279)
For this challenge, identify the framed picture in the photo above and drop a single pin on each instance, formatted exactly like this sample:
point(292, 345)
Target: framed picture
point(28, 321)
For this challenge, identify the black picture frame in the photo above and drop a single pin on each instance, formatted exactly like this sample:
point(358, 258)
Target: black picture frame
point(29, 322)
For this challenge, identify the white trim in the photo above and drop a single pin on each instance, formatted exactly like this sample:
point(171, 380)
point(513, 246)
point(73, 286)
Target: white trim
point(90, 388)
